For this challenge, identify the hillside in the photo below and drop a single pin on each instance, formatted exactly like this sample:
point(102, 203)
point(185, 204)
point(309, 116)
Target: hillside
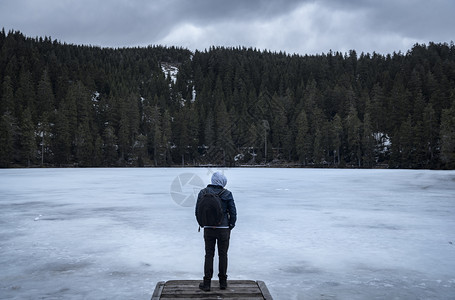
point(73, 105)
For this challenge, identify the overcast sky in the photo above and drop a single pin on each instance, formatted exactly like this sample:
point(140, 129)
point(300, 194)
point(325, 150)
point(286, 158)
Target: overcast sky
point(303, 27)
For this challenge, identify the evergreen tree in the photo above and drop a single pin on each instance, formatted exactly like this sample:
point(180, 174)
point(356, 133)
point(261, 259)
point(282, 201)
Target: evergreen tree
point(337, 133)
point(317, 130)
point(110, 147)
point(25, 95)
point(281, 133)
point(84, 145)
point(7, 104)
point(378, 112)
point(28, 139)
point(98, 159)
point(406, 144)
point(61, 143)
point(354, 136)
point(448, 137)
point(8, 131)
point(152, 125)
point(45, 134)
point(429, 137)
point(133, 116)
point(318, 147)
point(368, 142)
point(140, 150)
point(193, 132)
point(158, 155)
point(253, 143)
point(181, 135)
point(66, 135)
point(45, 95)
point(224, 141)
point(166, 138)
point(302, 141)
point(399, 106)
point(209, 131)
point(124, 135)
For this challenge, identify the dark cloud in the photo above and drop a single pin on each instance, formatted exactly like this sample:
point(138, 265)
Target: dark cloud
point(292, 26)
point(209, 10)
point(416, 19)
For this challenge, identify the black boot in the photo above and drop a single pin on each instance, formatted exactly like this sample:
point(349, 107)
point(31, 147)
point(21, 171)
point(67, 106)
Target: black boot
point(205, 285)
point(223, 283)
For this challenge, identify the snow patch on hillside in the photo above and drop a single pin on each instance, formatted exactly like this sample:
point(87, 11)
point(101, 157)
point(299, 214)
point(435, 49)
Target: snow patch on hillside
point(194, 95)
point(170, 70)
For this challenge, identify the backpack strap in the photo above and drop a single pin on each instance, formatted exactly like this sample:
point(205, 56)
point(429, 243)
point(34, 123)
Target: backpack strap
point(205, 191)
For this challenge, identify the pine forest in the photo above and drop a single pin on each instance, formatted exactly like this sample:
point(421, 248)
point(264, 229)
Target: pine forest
point(65, 105)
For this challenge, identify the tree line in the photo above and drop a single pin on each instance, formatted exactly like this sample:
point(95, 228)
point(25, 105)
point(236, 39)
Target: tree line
point(71, 105)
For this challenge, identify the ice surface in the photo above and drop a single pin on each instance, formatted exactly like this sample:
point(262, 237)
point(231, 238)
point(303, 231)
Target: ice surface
point(308, 233)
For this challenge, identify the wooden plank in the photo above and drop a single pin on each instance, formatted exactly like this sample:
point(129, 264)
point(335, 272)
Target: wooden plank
point(265, 291)
point(193, 293)
point(212, 293)
point(208, 297)
point(180, 290)
point(194, 282)
point(158, 289)
point(183, 285)
point(189, 289)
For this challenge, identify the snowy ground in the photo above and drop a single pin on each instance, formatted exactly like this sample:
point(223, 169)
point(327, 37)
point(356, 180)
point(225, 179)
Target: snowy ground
point(308, 233)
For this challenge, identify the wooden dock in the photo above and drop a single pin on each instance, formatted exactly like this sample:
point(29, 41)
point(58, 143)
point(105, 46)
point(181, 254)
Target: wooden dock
point(189, 289)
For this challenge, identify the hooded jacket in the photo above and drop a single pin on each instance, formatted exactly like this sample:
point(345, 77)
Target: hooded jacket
point(227, 200)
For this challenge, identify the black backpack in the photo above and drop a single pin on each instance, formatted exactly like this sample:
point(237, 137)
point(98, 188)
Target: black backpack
point(209, 211)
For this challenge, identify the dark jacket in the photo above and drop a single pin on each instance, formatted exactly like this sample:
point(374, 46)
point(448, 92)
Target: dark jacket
point(227, 202)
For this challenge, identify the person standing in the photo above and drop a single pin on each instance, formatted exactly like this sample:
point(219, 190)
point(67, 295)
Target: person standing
point(218, 235)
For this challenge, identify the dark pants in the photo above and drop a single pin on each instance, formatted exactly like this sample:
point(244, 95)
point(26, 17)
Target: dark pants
point(211, 237)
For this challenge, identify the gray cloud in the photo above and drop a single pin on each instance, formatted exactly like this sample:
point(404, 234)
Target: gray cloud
point(292, 26)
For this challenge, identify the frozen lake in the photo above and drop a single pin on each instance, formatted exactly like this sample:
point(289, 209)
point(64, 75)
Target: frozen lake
point(308, 233)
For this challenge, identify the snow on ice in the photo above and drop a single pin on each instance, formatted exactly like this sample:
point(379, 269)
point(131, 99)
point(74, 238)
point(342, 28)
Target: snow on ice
point(308, 233)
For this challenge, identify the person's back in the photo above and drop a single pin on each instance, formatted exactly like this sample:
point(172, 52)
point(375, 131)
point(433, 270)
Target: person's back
point(219, 234)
